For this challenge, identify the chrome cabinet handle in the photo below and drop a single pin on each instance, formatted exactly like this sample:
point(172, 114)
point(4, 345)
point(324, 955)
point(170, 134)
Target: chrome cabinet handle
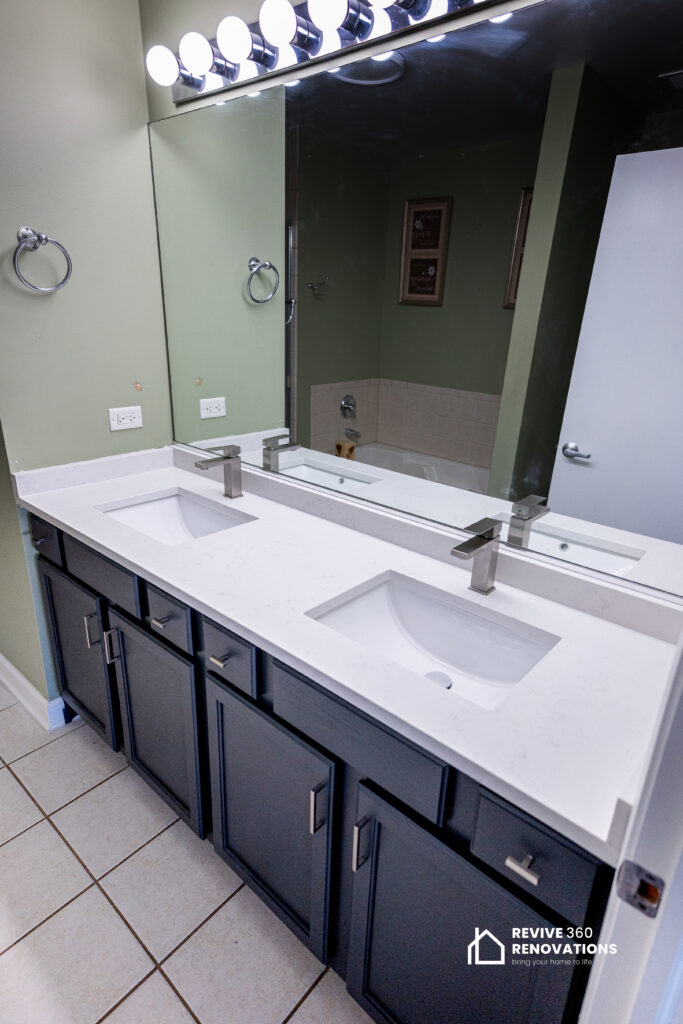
point(161, 623)
point(37, 541)
point(314, 822)
point(220, 662)
point(356, 862)
point(88, 639)
point(109, 656)
point(521, 868)
point(570, 450)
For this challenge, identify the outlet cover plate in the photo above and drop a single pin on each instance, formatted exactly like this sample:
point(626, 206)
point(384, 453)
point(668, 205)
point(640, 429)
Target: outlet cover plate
point(211, 407)
point(128, 417)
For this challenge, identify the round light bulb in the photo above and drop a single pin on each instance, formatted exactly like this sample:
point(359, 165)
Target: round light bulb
point(196, 53)
point(382, 3)
point(247, 71)
point(277, 20)
point(381, 57)
point(162, 65)
point(328, 15)
point(234, 39)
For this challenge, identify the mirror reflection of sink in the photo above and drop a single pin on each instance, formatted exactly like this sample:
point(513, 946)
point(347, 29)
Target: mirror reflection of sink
point(175, 516)
point(327, 474)
point(449, 640)
point(580, 549)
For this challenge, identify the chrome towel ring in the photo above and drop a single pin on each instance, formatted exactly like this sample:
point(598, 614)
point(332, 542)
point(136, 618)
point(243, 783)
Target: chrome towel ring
point(31, 241)
point(255, 266)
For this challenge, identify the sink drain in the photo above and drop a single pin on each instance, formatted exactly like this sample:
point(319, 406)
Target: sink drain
point(441, 678)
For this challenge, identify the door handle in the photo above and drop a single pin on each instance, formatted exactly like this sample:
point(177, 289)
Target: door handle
point(570, 450)
point(356, 855)
point(161, 623)
point(88, 639)
point(314, 821)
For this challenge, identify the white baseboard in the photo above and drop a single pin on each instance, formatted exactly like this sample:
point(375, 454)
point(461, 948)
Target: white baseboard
point(48, 713)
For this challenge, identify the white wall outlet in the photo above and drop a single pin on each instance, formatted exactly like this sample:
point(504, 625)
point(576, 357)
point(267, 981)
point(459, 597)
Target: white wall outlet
point(126, 418)
point(210, 407)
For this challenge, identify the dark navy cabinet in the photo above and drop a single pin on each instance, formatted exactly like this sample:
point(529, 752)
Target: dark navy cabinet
point(422, 917)
point(272, 798)
point(161, 716)
point(401, 872)
point(76, 616)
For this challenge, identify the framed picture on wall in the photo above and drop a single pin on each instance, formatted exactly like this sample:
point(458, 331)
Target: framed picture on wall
point(518, 247)
point(426, 223)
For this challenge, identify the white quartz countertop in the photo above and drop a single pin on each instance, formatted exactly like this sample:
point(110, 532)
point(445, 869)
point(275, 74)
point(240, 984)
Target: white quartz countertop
point(567, 743)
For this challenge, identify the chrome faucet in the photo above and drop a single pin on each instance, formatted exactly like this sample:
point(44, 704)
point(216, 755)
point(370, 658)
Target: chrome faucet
point(482, 548)
point(524, 515)
point(272, 449)
point(232, 469)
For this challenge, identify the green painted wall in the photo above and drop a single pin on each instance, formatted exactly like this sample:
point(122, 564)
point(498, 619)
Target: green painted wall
point(219, 176)
point(552, 162)
point(462, 344)
point(74, 163)
point(19, 635)
point(342, 234)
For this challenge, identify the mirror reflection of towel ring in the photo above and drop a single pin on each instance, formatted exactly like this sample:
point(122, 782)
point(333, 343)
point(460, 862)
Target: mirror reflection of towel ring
point(256, 266)
point(31, 241)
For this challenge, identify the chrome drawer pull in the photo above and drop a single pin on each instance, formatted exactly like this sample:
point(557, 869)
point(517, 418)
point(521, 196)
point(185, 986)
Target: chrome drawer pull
point(521, 868)
point(161, 623)
point(314, 822)
point(109, 656)
point(220, 662)
point(88, 639)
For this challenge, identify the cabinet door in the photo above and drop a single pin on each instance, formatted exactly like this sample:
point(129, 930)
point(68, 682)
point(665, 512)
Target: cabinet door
point(272, 804)
point(417, 910)
point(159, 709)
point(86, 685)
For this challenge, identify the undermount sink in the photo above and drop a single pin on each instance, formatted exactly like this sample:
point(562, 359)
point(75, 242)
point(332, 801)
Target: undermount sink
point(581, 549)
point(449, 640)
point(327, 475)
point(175, 516)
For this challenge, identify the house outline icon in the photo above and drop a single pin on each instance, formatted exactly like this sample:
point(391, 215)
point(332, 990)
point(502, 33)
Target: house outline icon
point(473, 949)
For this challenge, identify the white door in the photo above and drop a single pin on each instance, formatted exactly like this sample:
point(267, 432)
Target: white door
point(625, 403)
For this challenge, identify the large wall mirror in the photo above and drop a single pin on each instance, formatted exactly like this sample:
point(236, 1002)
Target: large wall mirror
point(452, 277)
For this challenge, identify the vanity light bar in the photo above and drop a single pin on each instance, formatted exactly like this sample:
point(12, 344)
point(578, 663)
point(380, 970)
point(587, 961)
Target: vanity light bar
point(284, 36)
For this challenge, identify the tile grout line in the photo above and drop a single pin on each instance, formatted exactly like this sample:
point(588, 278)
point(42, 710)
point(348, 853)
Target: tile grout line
point(306, 995)
point(182, 998)
point(123, 998)
point(128, 856)
point(23, 831)
point(189, 935)
point(40, 747)
point(85, 791)
point(49, 917)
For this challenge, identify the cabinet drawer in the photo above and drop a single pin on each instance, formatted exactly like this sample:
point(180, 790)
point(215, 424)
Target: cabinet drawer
point(120, 586)
point(229, 657)
point(416, 778)
point(565, 874)
point(170, 619)
point(45, 539)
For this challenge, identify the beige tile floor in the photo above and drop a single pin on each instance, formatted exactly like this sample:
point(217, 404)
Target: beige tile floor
point(112, 909)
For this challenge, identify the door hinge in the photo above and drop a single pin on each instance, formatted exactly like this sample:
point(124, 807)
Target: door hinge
point(640, 888)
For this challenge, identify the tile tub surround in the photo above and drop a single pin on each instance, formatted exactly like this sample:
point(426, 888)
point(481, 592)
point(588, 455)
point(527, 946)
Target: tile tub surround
point(566, 745)
point(123, 948)
point(445, 422)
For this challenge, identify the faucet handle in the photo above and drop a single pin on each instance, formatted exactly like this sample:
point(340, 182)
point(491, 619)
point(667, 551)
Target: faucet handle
point(272, 443)
point(230, 451)
point(487, 529)
point(531, 505)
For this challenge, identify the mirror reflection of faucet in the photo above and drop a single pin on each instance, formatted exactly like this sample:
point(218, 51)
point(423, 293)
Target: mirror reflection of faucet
point(524, 514)
point(272, 449)
point(351, 434)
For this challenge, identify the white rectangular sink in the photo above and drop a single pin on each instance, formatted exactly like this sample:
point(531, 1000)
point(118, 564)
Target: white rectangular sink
point(326, 474)
point(449, 640)
point(175, 516)
point(581, 549)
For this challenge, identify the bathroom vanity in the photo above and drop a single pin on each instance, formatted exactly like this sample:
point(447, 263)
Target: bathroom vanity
point(390, 821)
